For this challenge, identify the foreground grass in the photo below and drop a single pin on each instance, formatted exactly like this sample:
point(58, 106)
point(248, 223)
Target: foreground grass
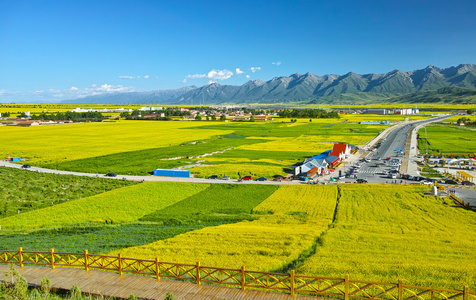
point(384, 233)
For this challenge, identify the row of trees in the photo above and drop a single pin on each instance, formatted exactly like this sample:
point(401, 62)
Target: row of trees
point(308, 113)
point(72, 116)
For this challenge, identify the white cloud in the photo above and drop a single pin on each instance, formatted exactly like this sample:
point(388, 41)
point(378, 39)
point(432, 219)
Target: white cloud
point(238, 71)
point(276, 63)
point(254, 69)
point(146, 76)
point(73, 88)
point(213, 74)
point(247, 76)
point(211, 81)
point(126, 77)
point(184, 80)
point(94, 85)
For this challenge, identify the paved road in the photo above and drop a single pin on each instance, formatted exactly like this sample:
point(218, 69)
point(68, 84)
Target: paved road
point(375, 171)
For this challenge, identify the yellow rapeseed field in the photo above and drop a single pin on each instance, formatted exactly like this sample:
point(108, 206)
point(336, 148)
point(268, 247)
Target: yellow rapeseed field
point(385, 233)
point(269, 243)
point(57, 143)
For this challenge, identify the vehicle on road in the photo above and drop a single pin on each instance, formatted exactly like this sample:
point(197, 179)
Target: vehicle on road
point(361, 181)
point(25, 166)
point(388, 158)
point(392, 175)
point(426, 182)
point(467, 183)
point(278, 178)
point(111, 175)
point(450, 181)
point(213, 177)
point(225, 178)
point(303, 178)
point(247, 178)
point(379, 158)
point(262, 179)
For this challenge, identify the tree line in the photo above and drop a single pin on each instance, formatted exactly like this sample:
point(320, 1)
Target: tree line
point(309, 113)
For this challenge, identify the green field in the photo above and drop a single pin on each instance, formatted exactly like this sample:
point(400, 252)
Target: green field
point(372, 232)
point(448, 140)
point(22, 190)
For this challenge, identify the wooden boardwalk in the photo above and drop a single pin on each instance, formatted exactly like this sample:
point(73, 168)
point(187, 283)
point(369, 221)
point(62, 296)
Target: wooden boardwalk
point(112, 285)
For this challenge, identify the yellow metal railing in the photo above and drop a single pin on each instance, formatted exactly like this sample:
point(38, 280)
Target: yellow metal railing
point(241, 278)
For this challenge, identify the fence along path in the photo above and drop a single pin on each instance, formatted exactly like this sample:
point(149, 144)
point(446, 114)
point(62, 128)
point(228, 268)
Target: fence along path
point(111, 285)
point(237, 282)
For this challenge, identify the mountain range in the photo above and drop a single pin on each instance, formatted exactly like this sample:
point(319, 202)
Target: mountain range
point(309, 88)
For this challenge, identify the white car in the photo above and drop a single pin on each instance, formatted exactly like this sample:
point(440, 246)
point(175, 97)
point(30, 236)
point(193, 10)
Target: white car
point(426, 182)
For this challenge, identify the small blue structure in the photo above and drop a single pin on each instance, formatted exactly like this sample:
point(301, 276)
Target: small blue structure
point(171, 173)
point(322, 155)
point(16, 159)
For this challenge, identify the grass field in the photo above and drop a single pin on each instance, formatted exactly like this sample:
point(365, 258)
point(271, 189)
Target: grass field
point(448, 140)
point(22, 191)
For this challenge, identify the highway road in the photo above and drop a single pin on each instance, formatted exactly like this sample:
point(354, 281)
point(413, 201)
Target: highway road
point(376, 169)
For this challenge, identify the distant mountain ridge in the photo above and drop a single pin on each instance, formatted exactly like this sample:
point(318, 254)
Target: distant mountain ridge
point(307, 87)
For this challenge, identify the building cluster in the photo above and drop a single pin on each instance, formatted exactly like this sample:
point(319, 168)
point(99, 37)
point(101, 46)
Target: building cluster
point(327, 161)
point(399, 111)
point(27, 122)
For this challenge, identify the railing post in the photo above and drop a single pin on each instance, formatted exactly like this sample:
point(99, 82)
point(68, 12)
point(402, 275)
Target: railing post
point(400, 289)
point(292, 283)
point(243, 279)
point(86, 265)
point(346, 287)
point(119, 260)
point(198, 273)
point(20, 257)
point(52, 260)
point(465, 292)
point(157, 271)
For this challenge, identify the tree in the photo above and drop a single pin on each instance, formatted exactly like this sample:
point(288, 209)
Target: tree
point(198, 118)
point(469, 111)
point(222, 118)
point(208, 118)
point(252, 118)
point(214, 118)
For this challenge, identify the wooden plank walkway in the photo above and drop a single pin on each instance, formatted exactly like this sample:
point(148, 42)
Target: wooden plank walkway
point(112, 285)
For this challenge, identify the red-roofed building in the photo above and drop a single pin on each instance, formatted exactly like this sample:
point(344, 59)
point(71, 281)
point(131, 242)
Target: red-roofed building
point(341, 151)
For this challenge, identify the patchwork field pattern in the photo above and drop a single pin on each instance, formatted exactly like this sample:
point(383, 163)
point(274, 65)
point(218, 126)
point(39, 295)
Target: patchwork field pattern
point(119, 206)
point(139, 147)
point(273, 241)
point(372, 232)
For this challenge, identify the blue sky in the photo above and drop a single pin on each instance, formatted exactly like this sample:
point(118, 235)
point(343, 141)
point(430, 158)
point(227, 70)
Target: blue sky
point(54, 50)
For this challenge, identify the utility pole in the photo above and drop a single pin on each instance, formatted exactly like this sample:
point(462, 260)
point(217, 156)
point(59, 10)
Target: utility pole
point(426, 139)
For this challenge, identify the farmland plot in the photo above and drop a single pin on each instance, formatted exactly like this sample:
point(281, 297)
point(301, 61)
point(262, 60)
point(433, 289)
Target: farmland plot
point(273, 241)
point(384, 233)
